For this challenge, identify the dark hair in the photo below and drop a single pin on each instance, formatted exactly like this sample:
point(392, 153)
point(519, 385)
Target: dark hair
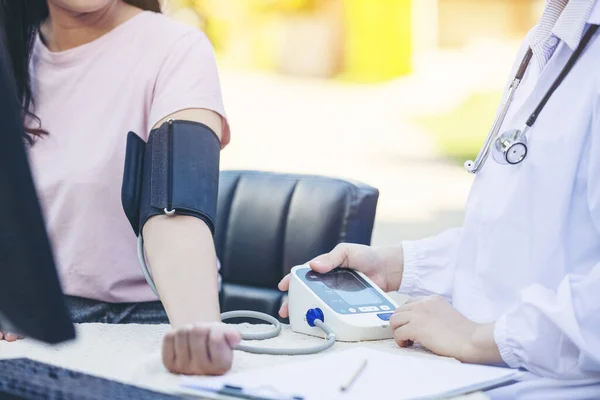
point(21, 20)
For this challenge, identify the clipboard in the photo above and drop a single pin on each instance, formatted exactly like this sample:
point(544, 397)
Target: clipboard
point(393, 373)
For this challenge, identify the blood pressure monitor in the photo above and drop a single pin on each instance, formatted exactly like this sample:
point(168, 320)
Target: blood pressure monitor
point(350, 303)
point(342, 304)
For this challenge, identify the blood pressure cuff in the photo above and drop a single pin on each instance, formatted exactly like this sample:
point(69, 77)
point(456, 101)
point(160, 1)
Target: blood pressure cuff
point(177, 171)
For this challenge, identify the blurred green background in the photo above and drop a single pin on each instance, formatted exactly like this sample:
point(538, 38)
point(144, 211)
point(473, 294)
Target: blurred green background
point(460, 132)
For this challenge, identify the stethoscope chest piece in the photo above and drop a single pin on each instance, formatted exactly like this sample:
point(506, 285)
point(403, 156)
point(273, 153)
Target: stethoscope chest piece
point(510, 147)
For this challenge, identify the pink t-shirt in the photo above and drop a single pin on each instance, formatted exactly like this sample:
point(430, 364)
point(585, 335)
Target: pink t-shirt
point(88, 99)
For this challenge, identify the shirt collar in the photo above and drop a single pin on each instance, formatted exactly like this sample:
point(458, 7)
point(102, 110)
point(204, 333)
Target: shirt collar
point(565, 19)
point(572, 21)
point(543, 29)
point(595, 14)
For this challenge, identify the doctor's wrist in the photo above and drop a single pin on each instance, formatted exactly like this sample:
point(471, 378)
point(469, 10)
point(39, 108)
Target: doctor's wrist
point(393, 263)
point(482, 348)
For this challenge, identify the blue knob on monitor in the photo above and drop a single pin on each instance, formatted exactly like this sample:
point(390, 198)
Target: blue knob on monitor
point(385, 316)
point(314, 314)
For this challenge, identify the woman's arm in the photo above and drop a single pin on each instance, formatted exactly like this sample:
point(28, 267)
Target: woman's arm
point(180, 250)
point(182, 259)
point(181, 253)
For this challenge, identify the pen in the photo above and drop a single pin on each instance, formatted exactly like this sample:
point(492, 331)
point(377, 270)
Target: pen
point(353, 378)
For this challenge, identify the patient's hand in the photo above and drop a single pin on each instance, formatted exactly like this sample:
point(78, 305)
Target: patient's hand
point(202, 349)
point(10, 337)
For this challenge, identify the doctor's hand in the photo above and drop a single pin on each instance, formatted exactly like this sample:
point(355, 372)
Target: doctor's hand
point(10, 337)
point(435, 324)
point(383, 265)
point(202, 349)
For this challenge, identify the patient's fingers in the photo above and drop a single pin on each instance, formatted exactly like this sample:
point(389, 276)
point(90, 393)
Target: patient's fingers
point(168, 351)
point(203, 349)
point(11, 337)
point(220, 349)
point(183, 354)
point(201, 362)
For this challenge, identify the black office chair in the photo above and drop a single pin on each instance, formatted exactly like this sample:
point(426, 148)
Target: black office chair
point(268, 222)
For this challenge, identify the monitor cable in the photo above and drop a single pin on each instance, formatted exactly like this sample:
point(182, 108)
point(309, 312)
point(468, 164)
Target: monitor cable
point(314, 317)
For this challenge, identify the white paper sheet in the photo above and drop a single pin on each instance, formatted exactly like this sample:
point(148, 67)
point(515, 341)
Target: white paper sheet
point(385, 376)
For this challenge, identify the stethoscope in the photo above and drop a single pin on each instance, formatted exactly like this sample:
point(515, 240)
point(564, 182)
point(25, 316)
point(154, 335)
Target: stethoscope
point(511, 146)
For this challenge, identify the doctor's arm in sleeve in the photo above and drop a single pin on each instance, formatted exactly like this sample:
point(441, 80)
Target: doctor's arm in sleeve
point(415, 268)
point(551, 333)
point(557, 333)
point(554, 333)
point(428, 269)
point(180, 249)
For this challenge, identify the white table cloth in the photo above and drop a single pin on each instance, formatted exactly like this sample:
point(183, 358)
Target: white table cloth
point(131, 353)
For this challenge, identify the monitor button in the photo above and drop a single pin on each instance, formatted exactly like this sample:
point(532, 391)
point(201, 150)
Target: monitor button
point(385, 316)
point(385, 308)
point(352, 310)
point(369, 308)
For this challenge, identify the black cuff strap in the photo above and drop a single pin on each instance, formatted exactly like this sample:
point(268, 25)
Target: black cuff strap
point(176, 172)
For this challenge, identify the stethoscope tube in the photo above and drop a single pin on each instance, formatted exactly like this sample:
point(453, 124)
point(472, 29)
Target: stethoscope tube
point(475, 166)
point(511, 147)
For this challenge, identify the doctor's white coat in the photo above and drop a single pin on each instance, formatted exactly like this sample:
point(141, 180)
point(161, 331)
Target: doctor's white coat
point(528, 253)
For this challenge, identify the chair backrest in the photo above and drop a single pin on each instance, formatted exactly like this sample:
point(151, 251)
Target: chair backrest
point(269, 222)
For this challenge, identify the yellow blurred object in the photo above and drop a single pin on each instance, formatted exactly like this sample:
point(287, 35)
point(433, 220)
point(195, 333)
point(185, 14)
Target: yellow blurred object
point(246, 34)
point(359, 40)
point(378, 39)
point(286, 6)
point(241, 34)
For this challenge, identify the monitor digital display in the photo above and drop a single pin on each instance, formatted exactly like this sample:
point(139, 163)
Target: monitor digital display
point(349, 288)
point(345, 291)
